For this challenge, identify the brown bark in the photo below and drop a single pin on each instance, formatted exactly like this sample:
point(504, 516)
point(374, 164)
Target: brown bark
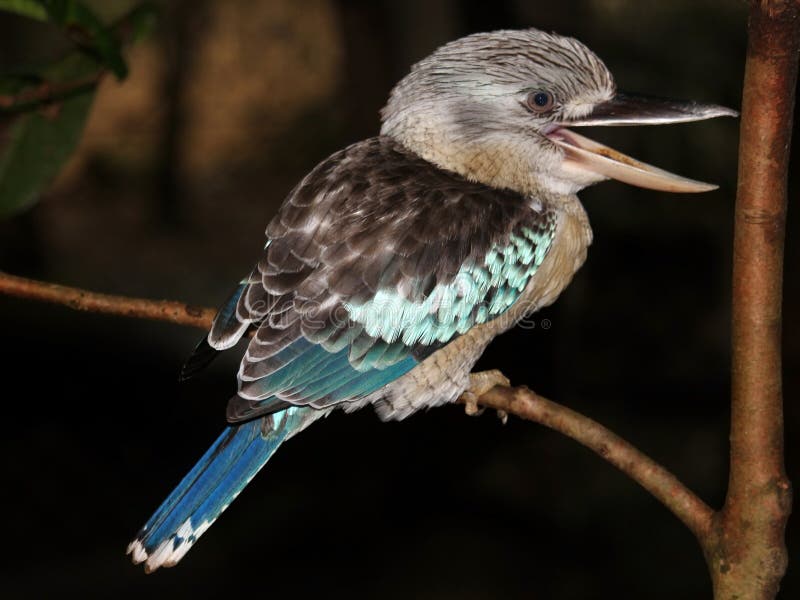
point(78, 299)
point(746, 552)
point(663, 485)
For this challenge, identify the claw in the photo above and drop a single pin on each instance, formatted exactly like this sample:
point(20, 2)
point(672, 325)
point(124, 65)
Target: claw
point(482, 381)
point(479, 384)
point(471, 407)
point(503, 416)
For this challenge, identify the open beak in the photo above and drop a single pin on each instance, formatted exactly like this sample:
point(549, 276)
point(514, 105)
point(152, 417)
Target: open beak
point(583, 154)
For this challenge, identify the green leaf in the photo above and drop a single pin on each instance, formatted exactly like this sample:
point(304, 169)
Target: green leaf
point(27, 8)
point(140, 22)
point(37, 147)
point(81, 23)
point(88, 31)
point(111, 11)
point(42, 114)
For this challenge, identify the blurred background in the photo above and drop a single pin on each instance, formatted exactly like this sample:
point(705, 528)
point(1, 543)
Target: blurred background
point(228, 103)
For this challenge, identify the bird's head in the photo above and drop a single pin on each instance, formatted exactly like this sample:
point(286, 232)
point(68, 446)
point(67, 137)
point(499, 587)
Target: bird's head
point(498, 107)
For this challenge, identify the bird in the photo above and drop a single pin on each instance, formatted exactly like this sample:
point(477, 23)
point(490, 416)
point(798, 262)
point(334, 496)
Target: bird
point(390, 267)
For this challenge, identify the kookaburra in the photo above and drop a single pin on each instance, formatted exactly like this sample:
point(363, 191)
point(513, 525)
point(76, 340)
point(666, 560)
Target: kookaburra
point(395, 261)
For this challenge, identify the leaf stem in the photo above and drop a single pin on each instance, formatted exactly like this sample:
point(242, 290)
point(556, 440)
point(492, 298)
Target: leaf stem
point(45, 95)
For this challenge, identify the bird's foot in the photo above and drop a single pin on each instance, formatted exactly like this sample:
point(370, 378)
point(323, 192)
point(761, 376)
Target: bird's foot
point(480, 383)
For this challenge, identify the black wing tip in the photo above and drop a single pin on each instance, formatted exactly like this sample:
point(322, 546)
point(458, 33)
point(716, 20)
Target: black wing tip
point(241, 410)
point(202, 356)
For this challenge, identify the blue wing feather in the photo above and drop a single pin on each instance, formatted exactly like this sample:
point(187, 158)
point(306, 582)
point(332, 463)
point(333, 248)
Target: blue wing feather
point(318, 377)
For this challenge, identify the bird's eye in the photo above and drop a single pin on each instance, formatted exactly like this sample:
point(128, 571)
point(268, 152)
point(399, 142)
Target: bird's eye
point(540, 102)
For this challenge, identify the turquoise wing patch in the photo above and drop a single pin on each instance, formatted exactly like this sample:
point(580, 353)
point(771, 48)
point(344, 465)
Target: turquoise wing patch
point(480, 292)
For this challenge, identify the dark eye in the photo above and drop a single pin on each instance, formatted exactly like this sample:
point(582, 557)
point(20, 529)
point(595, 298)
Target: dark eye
point(539, 101)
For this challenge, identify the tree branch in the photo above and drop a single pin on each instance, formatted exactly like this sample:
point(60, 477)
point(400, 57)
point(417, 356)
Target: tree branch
point(521, 401)
point(657, 480)
point(78, 299)
point(747, 555)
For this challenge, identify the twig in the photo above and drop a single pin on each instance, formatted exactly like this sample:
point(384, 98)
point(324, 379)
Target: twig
point(747, 554)
point(138, 308)
point(45, 95)
point(48, 92)
point(657, 480)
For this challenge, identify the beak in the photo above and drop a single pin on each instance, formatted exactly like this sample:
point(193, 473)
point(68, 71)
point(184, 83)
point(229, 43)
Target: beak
point(583, 154)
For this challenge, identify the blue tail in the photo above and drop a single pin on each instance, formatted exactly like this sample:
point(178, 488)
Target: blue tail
point(223, 472)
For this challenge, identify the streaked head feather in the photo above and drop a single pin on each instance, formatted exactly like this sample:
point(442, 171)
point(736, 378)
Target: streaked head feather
point(463, 107)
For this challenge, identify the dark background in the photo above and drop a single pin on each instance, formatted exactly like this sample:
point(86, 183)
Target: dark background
point(179, 171)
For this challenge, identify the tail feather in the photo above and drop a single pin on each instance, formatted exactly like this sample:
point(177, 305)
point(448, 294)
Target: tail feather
point(214, 482)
